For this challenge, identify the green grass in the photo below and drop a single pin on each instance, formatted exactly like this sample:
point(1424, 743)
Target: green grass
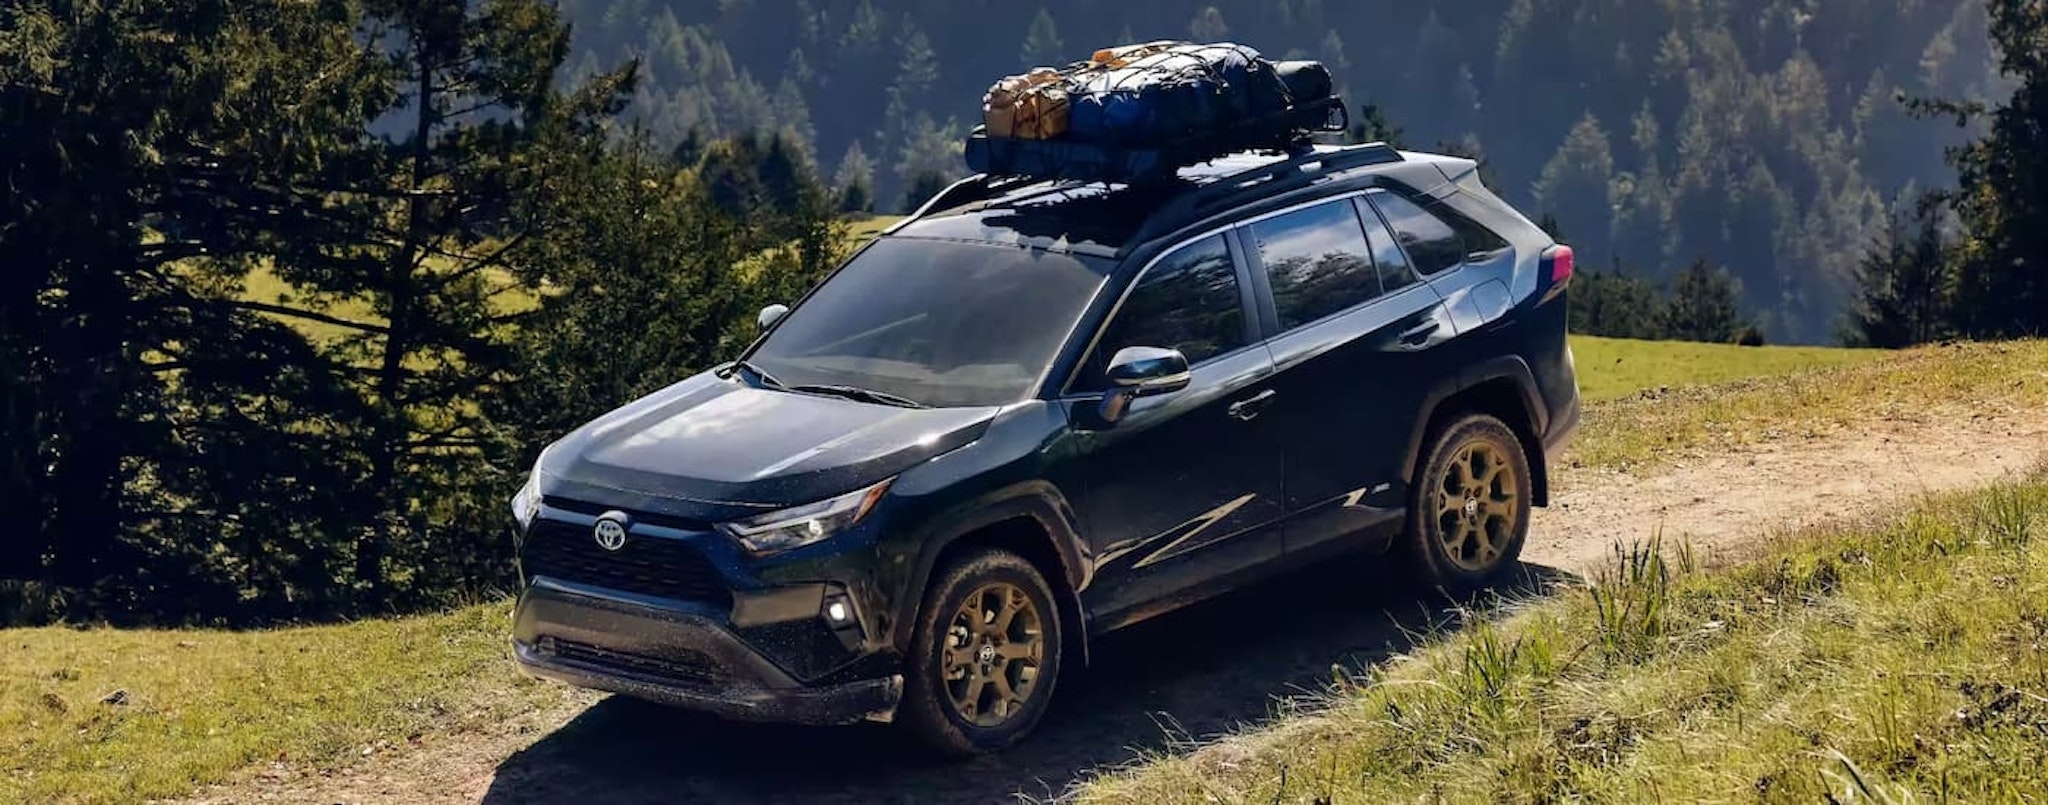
point(1611, 368)
point(199, 705)
point(862, 230)
point(1902, 662)
point(1659, 424)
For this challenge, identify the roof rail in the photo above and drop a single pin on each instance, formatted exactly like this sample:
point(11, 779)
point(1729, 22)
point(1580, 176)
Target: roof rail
point(978, 187)
point(1287, 174)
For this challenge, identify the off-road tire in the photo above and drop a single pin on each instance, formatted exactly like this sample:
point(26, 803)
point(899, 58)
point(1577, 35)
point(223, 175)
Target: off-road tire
point(929, 709)
point(1445, 504)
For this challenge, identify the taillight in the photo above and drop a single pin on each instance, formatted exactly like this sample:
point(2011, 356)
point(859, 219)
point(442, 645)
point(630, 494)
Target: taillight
point(1560, 260)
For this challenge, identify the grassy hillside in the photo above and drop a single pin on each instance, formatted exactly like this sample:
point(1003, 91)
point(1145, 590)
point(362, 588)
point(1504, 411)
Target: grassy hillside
point(1618, 367)
point(1891, 664)
point(201, 704)
point(108, 715)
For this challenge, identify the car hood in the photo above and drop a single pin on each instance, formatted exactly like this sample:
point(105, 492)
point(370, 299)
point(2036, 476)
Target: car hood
point(710, 448)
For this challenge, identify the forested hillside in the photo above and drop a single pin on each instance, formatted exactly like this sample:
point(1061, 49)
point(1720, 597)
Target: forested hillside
point(1763, 136)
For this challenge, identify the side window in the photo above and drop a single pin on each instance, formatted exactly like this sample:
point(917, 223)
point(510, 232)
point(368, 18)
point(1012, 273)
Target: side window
point(1395, 272)
point(1481, 244)
point(1187, 301)
point(1318, 260)
point(1438, 237)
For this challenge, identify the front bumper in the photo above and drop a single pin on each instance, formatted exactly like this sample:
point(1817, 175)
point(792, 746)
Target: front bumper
point(679, 657)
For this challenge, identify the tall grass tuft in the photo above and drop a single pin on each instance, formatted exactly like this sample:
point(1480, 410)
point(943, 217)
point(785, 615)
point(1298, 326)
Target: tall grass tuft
point(1632, 601)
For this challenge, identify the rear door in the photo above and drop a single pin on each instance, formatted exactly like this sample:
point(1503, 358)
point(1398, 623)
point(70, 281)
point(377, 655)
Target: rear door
point(1355, 329)
point(1185, 490)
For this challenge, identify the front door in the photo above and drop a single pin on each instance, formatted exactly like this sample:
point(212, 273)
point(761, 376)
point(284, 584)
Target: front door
point(1185, 489)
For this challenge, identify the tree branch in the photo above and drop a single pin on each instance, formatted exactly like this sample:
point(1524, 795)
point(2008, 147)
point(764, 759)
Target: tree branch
point(309, 316)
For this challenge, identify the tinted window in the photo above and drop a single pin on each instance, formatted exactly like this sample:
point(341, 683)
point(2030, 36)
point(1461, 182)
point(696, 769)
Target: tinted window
point(1480, 243)
point(1431, 244)
point(1318, 261)
point(942, 323)
point(1395, 272)
point(1187, 301)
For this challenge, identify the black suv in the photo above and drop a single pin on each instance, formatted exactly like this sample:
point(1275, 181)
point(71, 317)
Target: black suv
point(1038, 411)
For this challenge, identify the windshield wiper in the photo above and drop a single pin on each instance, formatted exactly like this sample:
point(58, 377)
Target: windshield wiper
point(858, 393)
point(767, 380)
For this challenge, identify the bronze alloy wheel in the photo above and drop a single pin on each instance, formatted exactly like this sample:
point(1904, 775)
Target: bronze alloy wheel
point(1477, 507)
point(995, 645)
point(1468, 512)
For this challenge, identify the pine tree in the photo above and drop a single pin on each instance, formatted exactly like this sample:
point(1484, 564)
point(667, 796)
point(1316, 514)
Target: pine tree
point(1903, 283)
point(2002, 186)
point(126, 352)
point(1574, 185)
point(1372, 126)
point(854, 181)
point(1208, 25)
point(642, 249)
point(929, 150)
point(1042, 44)
point(438, 215)
point(920, 188)
point(1702, 306)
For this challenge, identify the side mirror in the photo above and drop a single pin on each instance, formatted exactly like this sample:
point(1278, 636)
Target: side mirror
point(1136, 372)
point(772, 314)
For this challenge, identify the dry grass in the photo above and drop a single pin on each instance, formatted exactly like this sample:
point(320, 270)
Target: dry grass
point(106, 715)
point(1660, 424)
point(1902, 662)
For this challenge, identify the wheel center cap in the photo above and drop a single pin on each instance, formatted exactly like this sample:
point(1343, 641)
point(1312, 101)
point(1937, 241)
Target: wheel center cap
point(987, 653)
point(1471, 506)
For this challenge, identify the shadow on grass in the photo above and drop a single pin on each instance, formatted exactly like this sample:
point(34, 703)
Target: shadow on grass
point(1195, 673)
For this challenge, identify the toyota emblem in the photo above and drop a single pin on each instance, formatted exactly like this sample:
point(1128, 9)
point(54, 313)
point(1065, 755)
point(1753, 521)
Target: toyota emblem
point(611, 534)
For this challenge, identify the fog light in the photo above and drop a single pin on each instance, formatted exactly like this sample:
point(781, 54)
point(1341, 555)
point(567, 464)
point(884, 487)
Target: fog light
point(837, 613)
point(545, 646)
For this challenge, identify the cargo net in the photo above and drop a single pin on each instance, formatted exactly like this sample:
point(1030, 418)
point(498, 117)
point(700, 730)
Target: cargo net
point(1144, 109)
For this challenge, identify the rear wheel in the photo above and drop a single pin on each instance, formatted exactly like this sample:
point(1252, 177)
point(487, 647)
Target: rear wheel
point(984, 656)
point(1468, 512)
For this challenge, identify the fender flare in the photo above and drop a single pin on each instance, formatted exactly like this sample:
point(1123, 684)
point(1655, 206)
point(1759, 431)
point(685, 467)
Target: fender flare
point(1503, 367)
point(1038, 501)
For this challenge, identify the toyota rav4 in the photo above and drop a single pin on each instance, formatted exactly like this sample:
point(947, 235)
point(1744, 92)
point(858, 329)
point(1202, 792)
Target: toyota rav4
point(1038, 411)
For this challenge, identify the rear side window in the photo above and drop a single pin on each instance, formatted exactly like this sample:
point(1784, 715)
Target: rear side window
point(1318, 261)
point(1187, 301)
point(1432, 245)
point(1437, 238)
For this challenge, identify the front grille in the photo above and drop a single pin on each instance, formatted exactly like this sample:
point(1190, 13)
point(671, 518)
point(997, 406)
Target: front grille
point(664, 568)
point(688, 667)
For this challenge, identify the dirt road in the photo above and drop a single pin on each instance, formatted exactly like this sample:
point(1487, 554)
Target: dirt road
point(1195, 673)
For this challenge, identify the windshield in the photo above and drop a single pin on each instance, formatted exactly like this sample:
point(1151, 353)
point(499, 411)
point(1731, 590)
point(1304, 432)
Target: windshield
point(937, 322)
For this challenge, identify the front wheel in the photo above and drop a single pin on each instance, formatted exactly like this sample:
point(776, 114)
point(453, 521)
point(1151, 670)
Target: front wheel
point(984, 656)
point(1468, 512)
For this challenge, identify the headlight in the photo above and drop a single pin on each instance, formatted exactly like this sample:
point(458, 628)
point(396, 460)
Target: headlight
point(802, 525)
point(526, 504)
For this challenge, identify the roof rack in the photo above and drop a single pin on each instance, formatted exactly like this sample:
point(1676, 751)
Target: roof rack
point(1289, 174)
point(979, 187)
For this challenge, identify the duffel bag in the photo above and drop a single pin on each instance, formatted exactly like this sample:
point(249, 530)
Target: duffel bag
point(1123, 55)
point(1306, 81)
point(1166, 95)
point(1012, 106)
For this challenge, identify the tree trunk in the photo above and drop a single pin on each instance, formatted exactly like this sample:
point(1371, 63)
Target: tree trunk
point(391, 427)
point(92, 379)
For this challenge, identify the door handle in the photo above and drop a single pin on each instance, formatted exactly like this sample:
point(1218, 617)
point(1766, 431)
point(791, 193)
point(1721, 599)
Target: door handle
point(1248, 409)
point(1419, 334)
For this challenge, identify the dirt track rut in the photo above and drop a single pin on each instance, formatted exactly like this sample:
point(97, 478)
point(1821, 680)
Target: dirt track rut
point(1164, 681)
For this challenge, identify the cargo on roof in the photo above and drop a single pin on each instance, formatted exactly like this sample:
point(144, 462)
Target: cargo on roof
point(1141, 112)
